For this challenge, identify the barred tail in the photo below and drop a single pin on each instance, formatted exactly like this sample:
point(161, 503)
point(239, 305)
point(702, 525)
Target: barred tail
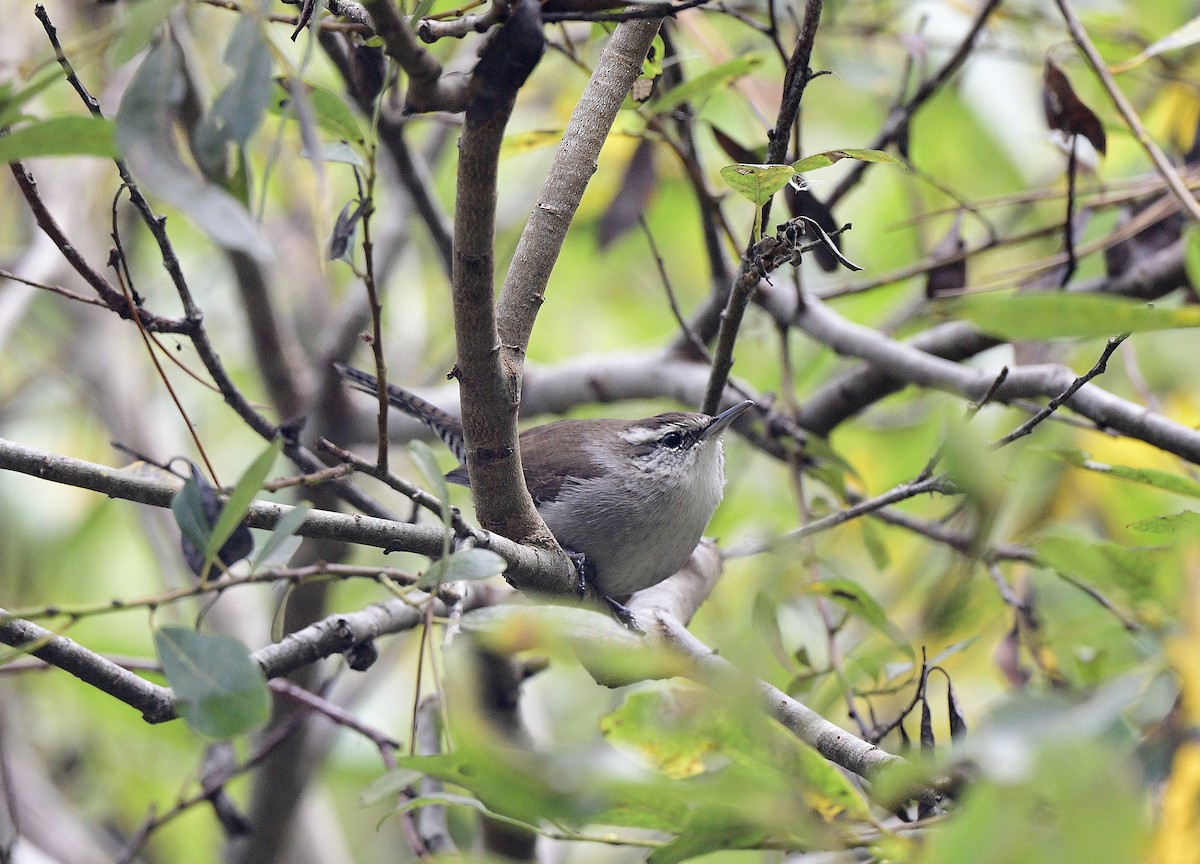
point(447, 426)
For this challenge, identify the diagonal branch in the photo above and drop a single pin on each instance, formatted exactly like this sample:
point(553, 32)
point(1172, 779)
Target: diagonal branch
point(429, 89)
point(489, 383)
point(910, 365)
point(1127, 111)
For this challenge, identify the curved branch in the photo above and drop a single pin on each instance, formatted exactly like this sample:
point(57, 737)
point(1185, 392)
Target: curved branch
point(574, 164)
point(428, 88)
point(327, 637)
point(910, 365)
point(489, 380)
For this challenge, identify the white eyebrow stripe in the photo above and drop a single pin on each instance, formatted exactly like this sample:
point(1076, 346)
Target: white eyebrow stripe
point(643, 434)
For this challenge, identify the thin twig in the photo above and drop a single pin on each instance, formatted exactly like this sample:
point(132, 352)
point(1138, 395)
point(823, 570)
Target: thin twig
point(635, 12)
point(936, 484)
point(1097, 369)
point(1127, 111)
point(414, 493)
point(263, 748)
point(336, 713)
point(688, 334)
point(1069, 226)
point(976, 406)
point(57, 289)
point(325, 24)
point(899, 119)
point(1128, 623)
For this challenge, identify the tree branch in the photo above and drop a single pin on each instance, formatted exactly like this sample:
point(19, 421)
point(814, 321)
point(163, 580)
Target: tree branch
point(428, 88)
point(489, 380)
point(574, 164)
point(1178, 188)
point(913, 366)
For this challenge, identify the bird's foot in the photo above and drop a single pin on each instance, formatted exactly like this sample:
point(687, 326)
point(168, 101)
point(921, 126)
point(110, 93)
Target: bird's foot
point(583, 571)
point(621, 613)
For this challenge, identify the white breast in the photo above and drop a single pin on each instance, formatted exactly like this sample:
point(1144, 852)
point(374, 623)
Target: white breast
point(637, 527)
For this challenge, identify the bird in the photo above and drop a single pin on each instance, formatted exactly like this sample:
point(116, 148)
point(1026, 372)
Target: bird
point(628, 500)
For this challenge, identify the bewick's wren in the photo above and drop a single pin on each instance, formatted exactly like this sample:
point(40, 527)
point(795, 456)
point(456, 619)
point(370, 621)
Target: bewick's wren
point(632, 497)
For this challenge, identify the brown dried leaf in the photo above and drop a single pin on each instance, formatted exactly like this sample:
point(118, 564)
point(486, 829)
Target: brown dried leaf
point(1065, 111)
point(949, 277)
point(641, 178)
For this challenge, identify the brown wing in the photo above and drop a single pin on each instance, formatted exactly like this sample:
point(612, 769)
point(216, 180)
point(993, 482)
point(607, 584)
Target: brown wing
point(551, 454)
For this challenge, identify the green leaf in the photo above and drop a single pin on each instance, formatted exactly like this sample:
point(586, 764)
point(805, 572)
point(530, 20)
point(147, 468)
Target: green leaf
point(333, 115)
point(60, 136)
point(706, 82)
point(187, 505)
point(423, 7)
point(239, 110)
point(828, 157)
point(388, 784)
point(611, 653)
point(1186, 522)
point(1186, 35)
point(220, 690)
point(711, 828)
point(241, 498)
point(757, 182)
point(854, 598)
point(10, 102)
point(1058, 315)
point(142, 20)
point(652, 66)
point(288, 525)
point(1165, 480)
point(338, 151)
point(448, 798)
point(465, 565)
point(712, 740)
point(1191, 252)
point(426, 463)
point(146, 137)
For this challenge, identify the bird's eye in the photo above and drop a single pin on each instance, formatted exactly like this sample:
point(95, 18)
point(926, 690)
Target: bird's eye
point(674, 440)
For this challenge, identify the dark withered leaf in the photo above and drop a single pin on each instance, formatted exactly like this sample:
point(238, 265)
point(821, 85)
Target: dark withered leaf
point(1008, 659)
point(197, 508)
point(735, 151)
point(958, 723)
point(949, 277)
point(631, 200)
point(927, 739)
point(343, 230)
point(368, 70)
point(802, 202)
point(1065, 111)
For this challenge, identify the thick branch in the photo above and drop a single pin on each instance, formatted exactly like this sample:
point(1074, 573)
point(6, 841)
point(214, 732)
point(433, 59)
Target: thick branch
point(831, 741)
point(574, 164)
point(325, 638)
point(913, 366)
point(490, 385)
point(525, 563)
point(428, 88)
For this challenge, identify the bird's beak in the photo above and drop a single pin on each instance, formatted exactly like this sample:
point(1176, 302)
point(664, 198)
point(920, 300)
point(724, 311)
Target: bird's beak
point(721, 422)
